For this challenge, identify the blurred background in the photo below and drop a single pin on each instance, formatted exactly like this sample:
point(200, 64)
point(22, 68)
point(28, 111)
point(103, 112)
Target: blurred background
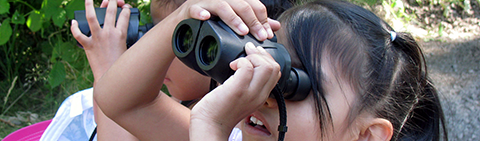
point(41, 64)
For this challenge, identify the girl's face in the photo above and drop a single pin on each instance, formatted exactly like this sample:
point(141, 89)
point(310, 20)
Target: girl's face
point(302, 120)
point(184, 83)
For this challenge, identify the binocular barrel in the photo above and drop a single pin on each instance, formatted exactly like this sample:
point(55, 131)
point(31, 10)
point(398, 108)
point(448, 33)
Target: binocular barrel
point(134, 32)
point(209, 46)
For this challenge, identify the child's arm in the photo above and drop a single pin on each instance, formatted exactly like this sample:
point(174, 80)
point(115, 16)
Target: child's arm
point(102, 48)
point(128, 92)
point(240, 95)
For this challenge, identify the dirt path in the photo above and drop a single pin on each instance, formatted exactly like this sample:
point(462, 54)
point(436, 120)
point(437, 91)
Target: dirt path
point(454, 67)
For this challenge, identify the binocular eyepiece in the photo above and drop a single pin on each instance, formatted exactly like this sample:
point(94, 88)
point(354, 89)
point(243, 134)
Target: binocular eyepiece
point(209, 46)
point(134, 32)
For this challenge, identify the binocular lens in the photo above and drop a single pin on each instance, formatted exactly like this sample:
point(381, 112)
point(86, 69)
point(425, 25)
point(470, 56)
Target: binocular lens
point(208, 50)
point(185, 39)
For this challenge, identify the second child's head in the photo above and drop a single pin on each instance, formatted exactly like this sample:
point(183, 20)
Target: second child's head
point(368, 81)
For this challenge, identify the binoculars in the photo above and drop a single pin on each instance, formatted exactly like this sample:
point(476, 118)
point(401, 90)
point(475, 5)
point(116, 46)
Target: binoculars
point(134, 32)
point(209, 46)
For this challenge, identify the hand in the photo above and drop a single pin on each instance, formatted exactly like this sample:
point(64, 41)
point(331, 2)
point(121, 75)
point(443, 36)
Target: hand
point(243, 16)
point(244, 92)
point(120, 3)
point(106, 44)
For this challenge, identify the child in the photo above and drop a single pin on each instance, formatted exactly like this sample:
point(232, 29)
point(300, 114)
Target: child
point(128, 91)
point(368, 83)
point(105, 46)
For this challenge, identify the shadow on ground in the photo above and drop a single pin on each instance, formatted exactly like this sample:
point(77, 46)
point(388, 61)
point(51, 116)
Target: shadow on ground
point(454, 67)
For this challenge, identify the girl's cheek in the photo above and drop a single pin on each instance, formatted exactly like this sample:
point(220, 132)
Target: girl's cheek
point(303, 123)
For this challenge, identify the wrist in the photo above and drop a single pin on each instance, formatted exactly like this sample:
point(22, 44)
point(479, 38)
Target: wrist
point(217, 129)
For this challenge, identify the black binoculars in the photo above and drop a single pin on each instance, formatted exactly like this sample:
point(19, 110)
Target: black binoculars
point(134, 32)
point(209, 46)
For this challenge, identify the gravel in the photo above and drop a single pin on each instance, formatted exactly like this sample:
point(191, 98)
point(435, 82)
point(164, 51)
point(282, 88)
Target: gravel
point(454, 67)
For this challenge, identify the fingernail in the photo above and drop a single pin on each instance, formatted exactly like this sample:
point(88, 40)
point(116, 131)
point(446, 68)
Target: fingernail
point(204, 14)
point(262, 50)
point(243, 28)
point(73, 21)
point(262, 34)
point(250, 46)
point(270, 32)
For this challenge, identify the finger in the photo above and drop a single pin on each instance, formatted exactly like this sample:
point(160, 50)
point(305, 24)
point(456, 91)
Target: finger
point(262, 16)
point(274, 24)
point(123, 19)
point(228, 15)
point(127, 6)
point(77, 34)
point(120, 3)
point(110, 14)
point(199, 13)
point(251, 49)
point(91, 17)
point(250, 17)
point(276, 71)
point(262, 72)
point(265, 53)
point(243, 72)
point(104, 4)
point(266, 68)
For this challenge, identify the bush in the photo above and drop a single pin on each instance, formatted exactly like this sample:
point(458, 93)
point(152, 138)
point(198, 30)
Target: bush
point(41, 63)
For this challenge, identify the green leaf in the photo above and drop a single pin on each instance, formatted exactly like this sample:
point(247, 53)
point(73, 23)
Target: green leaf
point(57, 51)
point(57, 75)
point(5, 31)
point(18, 18)
point(68, 52)
point(50, 7)
point(59, 17)
point(46, 48)
point(371, 2)
point(34, 21)
point(4, 6)
point(73, 6)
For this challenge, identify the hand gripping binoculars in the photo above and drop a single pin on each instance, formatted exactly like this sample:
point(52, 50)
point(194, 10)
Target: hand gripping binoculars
point(209, 46)
point(134, 31)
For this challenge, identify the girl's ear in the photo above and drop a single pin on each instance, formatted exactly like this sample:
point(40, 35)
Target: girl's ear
point(378, 129)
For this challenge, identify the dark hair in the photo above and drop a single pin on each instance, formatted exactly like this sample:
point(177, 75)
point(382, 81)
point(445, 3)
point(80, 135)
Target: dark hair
point(277, 7)
point(388, 77)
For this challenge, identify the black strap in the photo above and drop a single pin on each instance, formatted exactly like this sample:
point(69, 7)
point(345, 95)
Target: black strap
point(93, 134)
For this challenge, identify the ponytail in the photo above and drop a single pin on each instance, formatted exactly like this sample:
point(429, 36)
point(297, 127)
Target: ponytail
point(425, 117)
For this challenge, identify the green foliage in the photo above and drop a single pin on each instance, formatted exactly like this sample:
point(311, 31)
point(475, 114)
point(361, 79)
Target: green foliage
point(5, 31)
point(41, 63)
point(4, 6)
point(34, 21)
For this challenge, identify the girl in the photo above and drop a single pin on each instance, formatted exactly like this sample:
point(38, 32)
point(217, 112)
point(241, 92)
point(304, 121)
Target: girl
point(368, 83)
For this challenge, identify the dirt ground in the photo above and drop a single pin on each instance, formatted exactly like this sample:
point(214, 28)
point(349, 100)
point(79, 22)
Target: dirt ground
point(453, 60)
point(454, 67)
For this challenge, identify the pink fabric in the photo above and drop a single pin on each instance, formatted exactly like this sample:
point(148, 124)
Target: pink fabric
point(29, 133)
